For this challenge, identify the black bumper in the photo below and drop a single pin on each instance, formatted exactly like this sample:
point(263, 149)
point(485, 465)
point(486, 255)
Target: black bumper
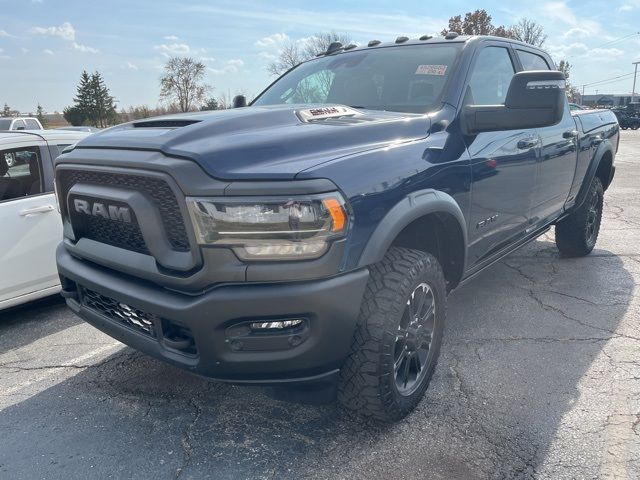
point(217, 322)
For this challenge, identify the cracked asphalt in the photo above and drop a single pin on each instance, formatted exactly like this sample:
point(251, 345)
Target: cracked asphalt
point(538, 378)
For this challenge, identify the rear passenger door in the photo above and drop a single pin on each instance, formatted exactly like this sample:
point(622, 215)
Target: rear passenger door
point(557, 162)
point(503, 163)
point(31, 226)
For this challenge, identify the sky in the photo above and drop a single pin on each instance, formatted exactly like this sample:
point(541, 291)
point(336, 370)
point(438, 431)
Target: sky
point(45, 44)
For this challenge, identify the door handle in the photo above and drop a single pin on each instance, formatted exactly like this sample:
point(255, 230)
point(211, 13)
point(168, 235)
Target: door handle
point(527, 143)
point(27, 212)
point(570, 134)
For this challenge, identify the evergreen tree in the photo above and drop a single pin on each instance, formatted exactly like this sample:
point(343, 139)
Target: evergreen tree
point(6, 111)
point(84, 104)
point(40, 116)
point(93, 103)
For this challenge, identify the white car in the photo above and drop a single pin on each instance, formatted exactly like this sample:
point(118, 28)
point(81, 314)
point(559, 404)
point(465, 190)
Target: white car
point(30, 223)
point(20, 123)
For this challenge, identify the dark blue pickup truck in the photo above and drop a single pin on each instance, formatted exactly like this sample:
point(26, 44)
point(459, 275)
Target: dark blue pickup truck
point(314, 235)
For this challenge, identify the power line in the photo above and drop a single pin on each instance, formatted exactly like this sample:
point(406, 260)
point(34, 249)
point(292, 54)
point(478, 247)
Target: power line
point(626, 75)
point(611, 42)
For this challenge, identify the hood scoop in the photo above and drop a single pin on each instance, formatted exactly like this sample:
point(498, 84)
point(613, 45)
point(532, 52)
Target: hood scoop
point(308, 115)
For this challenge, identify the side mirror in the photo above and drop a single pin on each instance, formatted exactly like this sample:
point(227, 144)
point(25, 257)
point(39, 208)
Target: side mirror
point(239, 101)
point(535, 99)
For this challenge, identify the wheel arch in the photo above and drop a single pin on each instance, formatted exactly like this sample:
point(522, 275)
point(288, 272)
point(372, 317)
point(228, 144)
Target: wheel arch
point(427, 220)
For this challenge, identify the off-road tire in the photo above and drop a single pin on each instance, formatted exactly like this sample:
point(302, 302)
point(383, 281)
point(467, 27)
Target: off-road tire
point(577, 234)
point(367, 382)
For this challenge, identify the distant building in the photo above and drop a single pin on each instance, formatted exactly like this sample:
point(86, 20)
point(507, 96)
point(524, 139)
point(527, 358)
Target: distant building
point(608, 100)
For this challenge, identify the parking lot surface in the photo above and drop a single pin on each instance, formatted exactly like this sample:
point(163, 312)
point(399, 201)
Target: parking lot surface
point(538, 378)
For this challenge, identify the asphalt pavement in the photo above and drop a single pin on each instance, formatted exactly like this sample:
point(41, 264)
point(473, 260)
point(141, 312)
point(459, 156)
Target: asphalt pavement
point(538, 378)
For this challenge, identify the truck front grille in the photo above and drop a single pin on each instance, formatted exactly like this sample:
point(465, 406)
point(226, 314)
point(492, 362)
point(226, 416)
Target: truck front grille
point(124, 235)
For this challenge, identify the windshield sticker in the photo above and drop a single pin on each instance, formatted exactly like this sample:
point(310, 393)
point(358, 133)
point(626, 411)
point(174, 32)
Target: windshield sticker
point(439, 70)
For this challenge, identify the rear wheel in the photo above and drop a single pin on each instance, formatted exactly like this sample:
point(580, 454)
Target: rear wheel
point(577, 234)
point(635, 126)
point(398, 336)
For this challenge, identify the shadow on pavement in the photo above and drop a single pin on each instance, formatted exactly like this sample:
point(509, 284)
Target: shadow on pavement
point(519, 340)
point(23, 324)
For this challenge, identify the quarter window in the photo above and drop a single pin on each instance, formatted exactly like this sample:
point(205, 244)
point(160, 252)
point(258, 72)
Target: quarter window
point(32, 124)
point(532, 61)
point(491, 77)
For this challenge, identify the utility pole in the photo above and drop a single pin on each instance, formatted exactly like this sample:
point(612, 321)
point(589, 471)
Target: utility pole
point(582, 98)
point(635, 74)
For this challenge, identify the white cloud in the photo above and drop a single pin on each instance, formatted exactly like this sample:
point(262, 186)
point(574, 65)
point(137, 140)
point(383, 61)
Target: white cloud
point(3, 55)
point(230, 66)
point(24, 50)
point(64, 31)
point(130, 66)
point(84, 48)
point(625, 8)
point(577, 32)
point(47, 51)
point(272, 40)
point(560, 12)
point(267, 56)
point(4, 33)
point(578, 50)
point(171, 49)
point(171, 38)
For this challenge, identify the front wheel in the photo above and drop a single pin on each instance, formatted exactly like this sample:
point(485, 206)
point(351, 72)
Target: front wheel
point(576, 235)
point(398, 336)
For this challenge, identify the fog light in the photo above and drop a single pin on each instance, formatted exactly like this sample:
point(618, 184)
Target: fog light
point(278, 325)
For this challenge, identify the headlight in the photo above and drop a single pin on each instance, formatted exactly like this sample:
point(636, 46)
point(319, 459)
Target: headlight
point(272, 228)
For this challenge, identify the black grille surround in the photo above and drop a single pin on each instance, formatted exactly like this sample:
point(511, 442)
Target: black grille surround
point(124, 235)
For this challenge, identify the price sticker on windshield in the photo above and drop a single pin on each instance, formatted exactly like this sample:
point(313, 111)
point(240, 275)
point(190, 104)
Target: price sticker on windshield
point(439, 70)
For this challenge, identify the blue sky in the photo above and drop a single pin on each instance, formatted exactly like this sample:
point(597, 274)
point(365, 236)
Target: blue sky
point(45, 44)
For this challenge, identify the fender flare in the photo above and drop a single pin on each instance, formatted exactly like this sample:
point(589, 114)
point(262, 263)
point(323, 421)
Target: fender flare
point(413, 206)
point(605, 147)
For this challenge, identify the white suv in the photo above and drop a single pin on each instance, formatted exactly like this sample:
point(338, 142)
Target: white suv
point(20, 123)
point(30, 222)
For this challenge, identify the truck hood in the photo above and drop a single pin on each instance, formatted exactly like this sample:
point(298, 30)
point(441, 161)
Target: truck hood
point(270, 142)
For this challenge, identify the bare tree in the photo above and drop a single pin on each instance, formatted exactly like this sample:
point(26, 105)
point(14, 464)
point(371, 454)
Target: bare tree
point(529, 31)
point(182, 83)
point(294, 52)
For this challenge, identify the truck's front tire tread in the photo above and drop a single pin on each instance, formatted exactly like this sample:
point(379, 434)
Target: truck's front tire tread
point(364, 379)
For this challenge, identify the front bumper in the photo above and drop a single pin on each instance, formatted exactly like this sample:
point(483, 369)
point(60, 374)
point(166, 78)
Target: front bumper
point(216, 322)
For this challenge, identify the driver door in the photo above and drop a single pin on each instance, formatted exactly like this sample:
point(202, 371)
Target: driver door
point(503, 163)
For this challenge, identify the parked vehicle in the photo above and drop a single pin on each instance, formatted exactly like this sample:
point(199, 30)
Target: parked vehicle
point(314, 235)
point(80, 129)
point(31, 225)
point(20, 123)
point(575, 106)
point(627, 119)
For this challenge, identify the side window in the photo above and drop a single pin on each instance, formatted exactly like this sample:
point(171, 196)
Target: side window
point(311, 89)
point(18, 125)
point(491, 77)
point(20, 173)
point(32, 124)
point(531, 61)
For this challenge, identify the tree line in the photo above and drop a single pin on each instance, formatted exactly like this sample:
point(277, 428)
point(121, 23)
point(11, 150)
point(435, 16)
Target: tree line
point(183, 87)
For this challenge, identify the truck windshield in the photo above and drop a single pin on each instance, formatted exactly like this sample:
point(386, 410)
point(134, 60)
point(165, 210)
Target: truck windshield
point(402, 79)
